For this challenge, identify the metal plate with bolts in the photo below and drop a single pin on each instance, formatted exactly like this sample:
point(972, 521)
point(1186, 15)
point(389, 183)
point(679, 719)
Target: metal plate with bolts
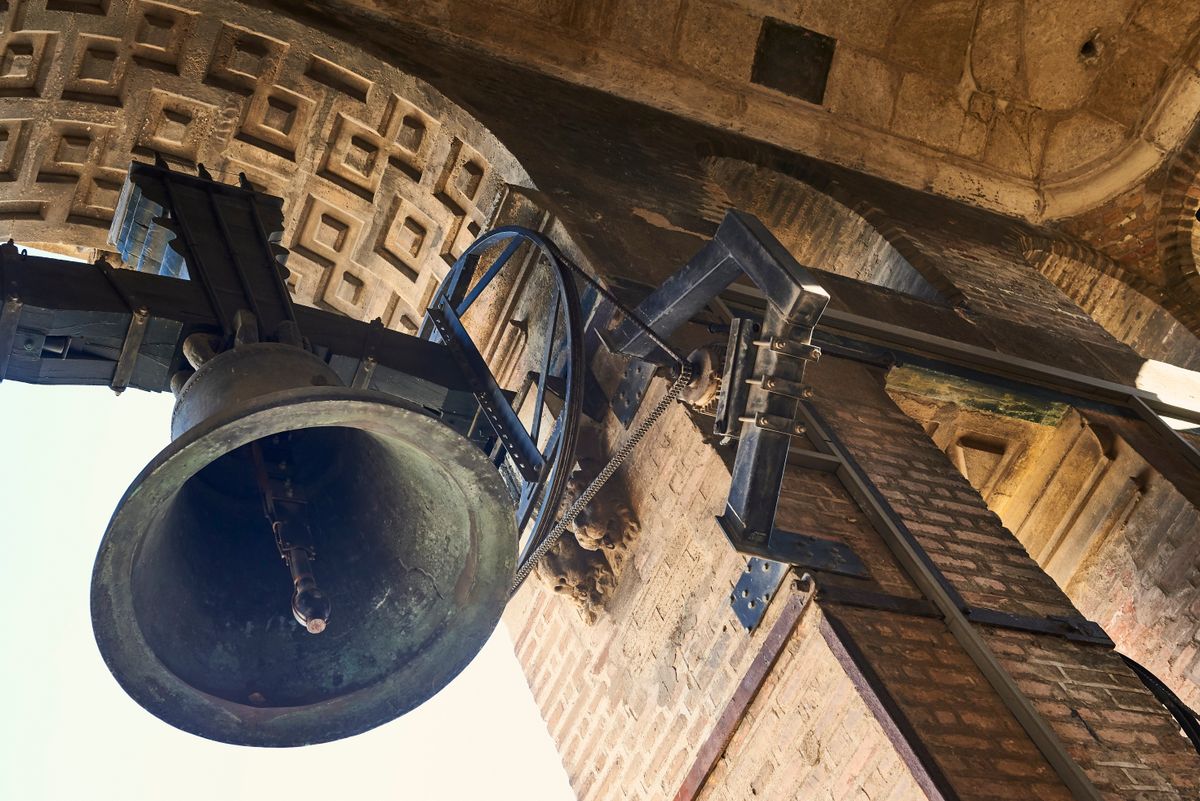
point(816, 553)
point(755, 589)
point(628, 397)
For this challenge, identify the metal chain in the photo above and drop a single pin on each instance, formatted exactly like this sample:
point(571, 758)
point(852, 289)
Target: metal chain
point(677, 386)
point(585, 497)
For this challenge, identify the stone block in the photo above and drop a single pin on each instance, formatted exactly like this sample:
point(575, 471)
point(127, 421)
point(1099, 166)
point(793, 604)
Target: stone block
point(1016, 140)
point(719, 40)
point(1065, 45)
point(996, 49)
point(861, 87)
point(1131, 76)
point(647, 29)
point(928, 111)
point(1078, 141)
point(932, 37)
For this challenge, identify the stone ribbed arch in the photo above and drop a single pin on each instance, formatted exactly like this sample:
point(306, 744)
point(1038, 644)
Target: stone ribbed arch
point(1125, 304)
point(827, 231)
point(1178, 234)
point(385, 181)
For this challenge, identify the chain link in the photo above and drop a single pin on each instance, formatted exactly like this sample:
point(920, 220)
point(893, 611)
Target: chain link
point(585, 497)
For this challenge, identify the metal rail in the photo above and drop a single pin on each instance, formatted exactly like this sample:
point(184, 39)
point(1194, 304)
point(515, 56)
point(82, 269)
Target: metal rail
point(933, 584)
point(544, 472)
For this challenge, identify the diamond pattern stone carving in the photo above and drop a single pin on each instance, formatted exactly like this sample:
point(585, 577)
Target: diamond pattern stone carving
point(384, 180)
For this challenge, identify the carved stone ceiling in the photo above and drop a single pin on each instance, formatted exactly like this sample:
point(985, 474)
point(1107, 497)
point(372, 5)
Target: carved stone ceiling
point(1037, 108)
point(384, 180)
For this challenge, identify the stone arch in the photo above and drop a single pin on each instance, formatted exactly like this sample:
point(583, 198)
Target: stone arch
point(1177, 233)
point(850, 237)
point(385, 181)
point(1127, 306)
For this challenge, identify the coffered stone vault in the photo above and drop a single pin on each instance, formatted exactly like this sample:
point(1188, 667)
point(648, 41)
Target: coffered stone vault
point(384, 180)
point(1037, 109)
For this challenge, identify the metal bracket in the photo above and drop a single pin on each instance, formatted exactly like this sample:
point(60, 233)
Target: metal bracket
point(10, 316)
point(789, 347)
point(801, 550)
point(369, 360)
point(139, 319)
point(735, 378)
point(129, 350)
point(1075, 628)
point(780, 386)
point(632, 389)
point(495, 405)
point(755, 588)
point(774, 422)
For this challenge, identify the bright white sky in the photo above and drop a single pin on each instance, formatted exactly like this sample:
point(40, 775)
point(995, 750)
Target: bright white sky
point(70, 732)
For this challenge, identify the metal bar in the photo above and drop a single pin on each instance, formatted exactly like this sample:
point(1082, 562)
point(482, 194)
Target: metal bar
point(496, 407)
point(940, 351)
point(79, 300)
point(544, 377)
point(1184, 715)
point(869, 599)
point(1013, 368)
point(1156, 422)
point(457, 280)
point(10, 317)
point(487, 277)
point(285, 297)
point(813, 460)
point(227, 237)
point(762, 452)
point(679, 299)
point(747, 690)
point(933, 584)
point(123, 370)
point(1078, 629)
point(801, 550)
point(925, 770)
point(185, 232)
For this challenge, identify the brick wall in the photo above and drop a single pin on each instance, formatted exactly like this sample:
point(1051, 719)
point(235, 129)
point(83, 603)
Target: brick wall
point(630, 698)
point(1115, 529)
point(634, 698)
point(810, 734)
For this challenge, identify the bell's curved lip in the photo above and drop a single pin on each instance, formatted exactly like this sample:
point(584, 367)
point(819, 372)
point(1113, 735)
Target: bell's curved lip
point(140, 673)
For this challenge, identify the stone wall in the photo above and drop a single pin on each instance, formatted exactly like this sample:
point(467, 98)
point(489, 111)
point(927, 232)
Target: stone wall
point(384, 180)
point(1114, 531)
point(642, 696)
point(1037, 112)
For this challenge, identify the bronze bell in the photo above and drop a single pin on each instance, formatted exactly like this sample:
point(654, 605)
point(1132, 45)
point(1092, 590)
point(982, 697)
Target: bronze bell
point(397, 530)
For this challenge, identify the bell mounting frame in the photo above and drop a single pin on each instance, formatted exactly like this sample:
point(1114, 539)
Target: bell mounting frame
point(542, 470)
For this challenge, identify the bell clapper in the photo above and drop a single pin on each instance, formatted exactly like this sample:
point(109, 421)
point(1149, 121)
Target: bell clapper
point(282, 508)
point(310, 607)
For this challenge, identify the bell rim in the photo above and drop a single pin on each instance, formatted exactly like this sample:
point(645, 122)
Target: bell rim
point(127, 654)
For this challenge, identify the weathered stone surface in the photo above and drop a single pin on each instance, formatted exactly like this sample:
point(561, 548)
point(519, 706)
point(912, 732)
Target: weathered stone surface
point(1047, 56)
point(1132, 75)
point(1076, 141)
point(384, 180)
point(996, 63)
point(928, 111)
point(862, 87)
point(932, 36)
point(719, 40)
point(1060, 67)
point(1017, 139)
